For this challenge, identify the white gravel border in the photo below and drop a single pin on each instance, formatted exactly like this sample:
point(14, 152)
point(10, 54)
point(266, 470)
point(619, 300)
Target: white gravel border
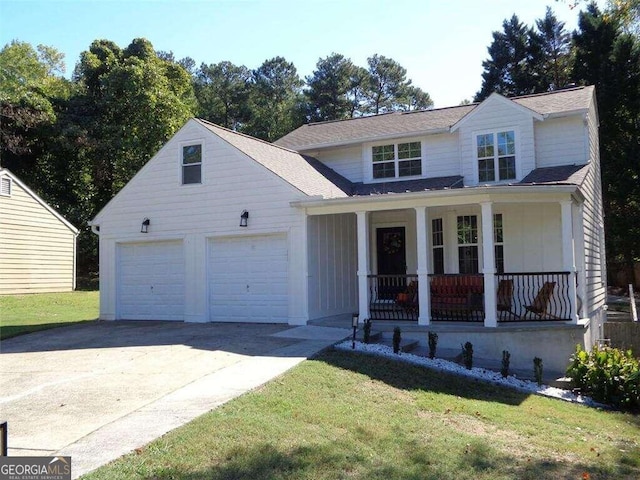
point(480, 373)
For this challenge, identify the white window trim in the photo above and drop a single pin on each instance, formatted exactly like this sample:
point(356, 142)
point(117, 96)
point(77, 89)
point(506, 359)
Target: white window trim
point(368, 159)
point(9, 182)
point(474, 147)
point(186, 143)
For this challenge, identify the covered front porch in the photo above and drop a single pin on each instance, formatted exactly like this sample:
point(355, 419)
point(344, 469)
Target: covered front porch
point(488, 256)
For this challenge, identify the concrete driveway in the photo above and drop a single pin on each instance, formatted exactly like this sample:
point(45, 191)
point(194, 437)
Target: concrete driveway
point(96, 391)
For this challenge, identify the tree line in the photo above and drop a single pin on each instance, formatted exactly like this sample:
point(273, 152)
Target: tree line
point(76, 142)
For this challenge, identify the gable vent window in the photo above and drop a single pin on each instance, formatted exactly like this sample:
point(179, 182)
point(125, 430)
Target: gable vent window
point(5, 186)
point(397, 160)
point(191, 164)
point(496, 153)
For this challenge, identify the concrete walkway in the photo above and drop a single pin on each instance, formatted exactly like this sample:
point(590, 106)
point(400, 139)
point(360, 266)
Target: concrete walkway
point(97, 391)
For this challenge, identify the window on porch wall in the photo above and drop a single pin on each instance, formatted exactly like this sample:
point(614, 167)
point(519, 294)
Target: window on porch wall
point(468, 244)
point(498, 240)
point(437, 240)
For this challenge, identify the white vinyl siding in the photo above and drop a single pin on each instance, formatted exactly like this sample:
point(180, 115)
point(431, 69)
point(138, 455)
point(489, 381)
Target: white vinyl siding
point(561, 141)
point(37, 250)
point(346, 161)
point(231, 183)
point(593, 221)
point(498, 116)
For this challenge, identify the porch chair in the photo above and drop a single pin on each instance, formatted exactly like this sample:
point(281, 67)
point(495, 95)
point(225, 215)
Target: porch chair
point(409, 299)
point(541, 302)
point(504, 302)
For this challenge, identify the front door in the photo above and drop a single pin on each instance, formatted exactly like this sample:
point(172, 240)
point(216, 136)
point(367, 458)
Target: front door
point(392, 260)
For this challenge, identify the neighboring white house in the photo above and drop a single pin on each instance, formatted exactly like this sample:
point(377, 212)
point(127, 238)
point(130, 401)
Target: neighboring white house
point(484, 219)
point(37, 245)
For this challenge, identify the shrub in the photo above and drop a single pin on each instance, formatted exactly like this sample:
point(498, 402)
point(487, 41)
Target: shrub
point(433, 342)
point(367, 330)
point(467, 355)
point(506, 357)
point(397, 338)
point(537, 370)
point(608, 375)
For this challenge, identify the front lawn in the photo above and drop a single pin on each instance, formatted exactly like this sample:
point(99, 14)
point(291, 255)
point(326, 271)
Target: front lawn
point(21, 314)
point(348, 415)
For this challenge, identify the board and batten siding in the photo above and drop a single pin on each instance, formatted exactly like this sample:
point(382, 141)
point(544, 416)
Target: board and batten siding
point(231, 183)
point(37, 249)
point(333, 264)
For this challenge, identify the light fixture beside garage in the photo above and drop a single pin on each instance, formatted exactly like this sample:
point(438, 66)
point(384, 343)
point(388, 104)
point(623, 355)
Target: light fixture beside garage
point(244, 218)
point(145, 226)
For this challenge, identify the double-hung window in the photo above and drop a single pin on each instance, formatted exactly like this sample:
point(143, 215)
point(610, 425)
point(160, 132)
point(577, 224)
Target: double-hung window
point(496, 153)
point(468, 244)
point(437, 239)
point(191, 164)
point(498, 242)
point(397, 160)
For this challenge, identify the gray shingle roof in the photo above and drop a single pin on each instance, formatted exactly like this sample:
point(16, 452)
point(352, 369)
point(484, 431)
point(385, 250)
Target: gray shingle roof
point(561, 175)
point(315, 135)
point(304, 173)
point(419, 185)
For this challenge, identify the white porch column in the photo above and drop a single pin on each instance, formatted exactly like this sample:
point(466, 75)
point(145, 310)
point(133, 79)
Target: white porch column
point(568, 255)
point(422, 245)
point(489, 266)
point(363, 264)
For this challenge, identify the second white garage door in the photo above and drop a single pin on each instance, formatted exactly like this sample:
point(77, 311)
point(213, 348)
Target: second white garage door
point(248, 279)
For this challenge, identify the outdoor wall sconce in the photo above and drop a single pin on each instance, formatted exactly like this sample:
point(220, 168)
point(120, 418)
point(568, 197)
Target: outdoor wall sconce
point(354, 324)
point(145, 226)
point(244, 218)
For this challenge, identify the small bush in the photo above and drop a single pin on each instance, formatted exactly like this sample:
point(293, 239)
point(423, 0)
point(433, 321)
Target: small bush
point(608, 375)
point(467, 355)
point(537, 370)
point(433, 342)
point(397, 338)
point(506, 357)
point(367, 330)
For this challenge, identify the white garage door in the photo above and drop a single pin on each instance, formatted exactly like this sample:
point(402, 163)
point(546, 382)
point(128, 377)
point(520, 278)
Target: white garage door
point(151, 281)
point(248, 280)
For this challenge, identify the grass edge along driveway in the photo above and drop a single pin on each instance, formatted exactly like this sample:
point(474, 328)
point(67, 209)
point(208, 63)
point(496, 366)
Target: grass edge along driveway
point(346, 415)
point(20, 314)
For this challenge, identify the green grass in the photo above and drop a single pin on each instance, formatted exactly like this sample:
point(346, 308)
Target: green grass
point(350, 416)
point(20, 314)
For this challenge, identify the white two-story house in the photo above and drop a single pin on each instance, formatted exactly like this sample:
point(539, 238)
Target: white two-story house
point(482, 222)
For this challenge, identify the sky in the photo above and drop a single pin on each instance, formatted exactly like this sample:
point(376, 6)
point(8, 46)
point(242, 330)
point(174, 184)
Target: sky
point(441, 43)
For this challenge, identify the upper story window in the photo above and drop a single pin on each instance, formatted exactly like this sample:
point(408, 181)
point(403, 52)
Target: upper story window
point(496, 153)
point(191, 164)
point(5, 186)
point(397, 160)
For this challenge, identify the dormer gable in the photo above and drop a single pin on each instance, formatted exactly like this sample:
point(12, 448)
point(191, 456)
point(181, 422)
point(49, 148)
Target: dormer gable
point(495, 100)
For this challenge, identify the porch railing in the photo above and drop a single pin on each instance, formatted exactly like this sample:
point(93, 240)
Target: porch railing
point(457, 298)
point(533, 296)
point(393, 297)
point(520, 297)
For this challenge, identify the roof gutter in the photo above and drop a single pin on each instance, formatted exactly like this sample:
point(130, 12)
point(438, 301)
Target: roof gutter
point(447, 193)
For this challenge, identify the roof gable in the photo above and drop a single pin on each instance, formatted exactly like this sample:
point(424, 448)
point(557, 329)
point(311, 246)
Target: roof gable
point(490, 102)
point(36, 197)
point(297, 170)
